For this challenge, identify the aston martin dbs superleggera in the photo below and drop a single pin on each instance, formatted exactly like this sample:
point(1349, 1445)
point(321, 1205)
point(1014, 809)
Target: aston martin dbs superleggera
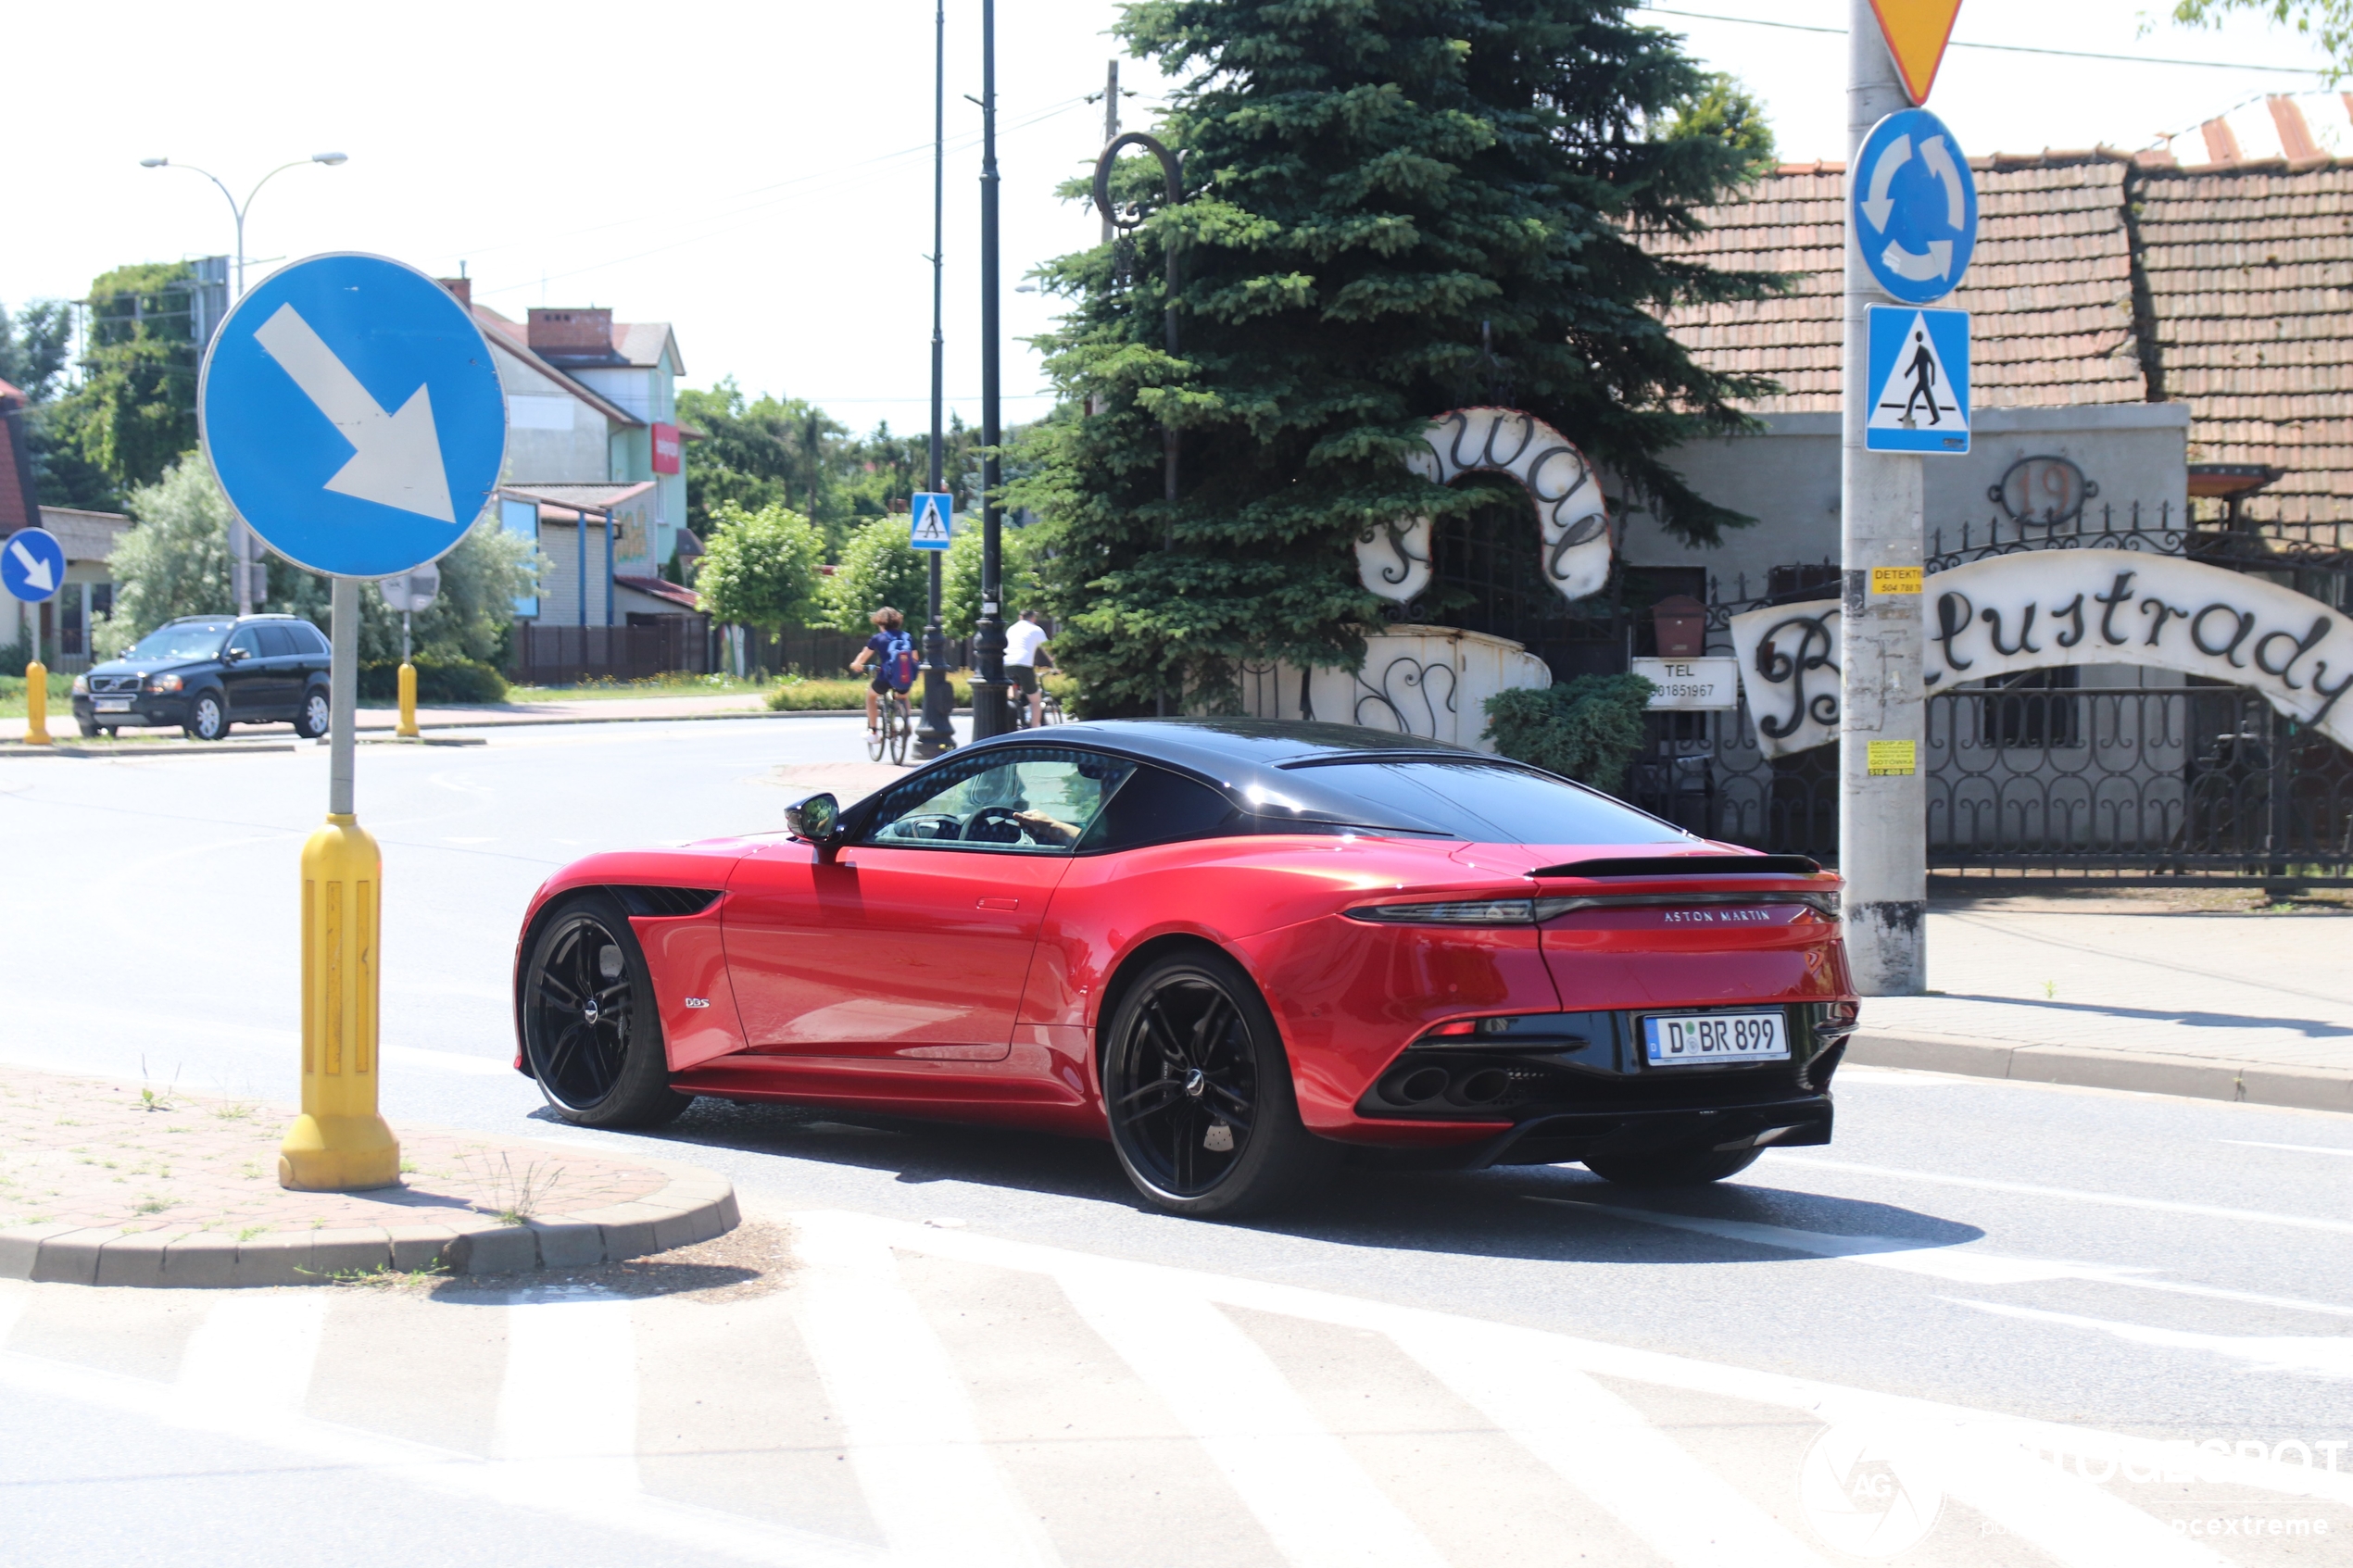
point(1236, 950)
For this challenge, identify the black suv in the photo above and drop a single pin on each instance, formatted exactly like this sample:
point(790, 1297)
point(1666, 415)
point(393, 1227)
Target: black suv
point(206, 672)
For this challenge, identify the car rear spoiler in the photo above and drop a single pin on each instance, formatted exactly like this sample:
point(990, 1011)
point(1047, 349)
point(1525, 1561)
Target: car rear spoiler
point(1688, 865)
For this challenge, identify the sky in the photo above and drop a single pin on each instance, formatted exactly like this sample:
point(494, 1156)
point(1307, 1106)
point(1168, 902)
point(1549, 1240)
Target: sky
point(760, 175)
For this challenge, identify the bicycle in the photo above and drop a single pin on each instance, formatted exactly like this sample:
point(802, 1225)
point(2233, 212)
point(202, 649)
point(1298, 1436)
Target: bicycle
point(893, 723)
point(1049, 708)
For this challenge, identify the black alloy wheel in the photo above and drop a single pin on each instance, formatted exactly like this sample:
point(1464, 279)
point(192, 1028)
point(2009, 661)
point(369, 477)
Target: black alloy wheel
point(208, 717)
point(1199, 1094)
point(590, 1031)
point(1677, 1168)
point(316, 714)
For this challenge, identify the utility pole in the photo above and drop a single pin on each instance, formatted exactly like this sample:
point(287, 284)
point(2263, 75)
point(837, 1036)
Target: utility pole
point(1111, 127)
point(938, 731)
point(1883, 823)
point(989, 640)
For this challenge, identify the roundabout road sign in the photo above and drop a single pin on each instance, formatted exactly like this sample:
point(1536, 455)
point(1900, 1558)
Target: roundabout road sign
point(32, 565)
point(1914, 206)
point(351, 409)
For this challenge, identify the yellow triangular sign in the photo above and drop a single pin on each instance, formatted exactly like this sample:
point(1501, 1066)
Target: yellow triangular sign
point(1915, 32)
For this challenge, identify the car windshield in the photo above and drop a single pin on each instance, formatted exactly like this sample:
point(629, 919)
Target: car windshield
point(1489, 803)
point(196, 640)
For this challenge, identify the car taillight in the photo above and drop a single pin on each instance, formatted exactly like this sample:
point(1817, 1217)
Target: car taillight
point(1464, 911)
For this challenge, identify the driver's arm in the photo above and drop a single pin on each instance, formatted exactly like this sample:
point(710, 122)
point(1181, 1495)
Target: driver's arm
point(1043, 829)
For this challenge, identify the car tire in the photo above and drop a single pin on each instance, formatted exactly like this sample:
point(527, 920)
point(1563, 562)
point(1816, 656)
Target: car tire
point(208, 717)
point(1193, 1049)
point(316, 716)
point(1681, 1168)
point(89, 732)
point(591, 1031)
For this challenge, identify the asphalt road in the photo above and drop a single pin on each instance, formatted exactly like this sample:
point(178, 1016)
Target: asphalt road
point(2123, 1267)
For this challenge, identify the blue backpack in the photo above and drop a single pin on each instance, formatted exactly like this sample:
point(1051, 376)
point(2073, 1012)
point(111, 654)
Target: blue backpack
point(898, 663)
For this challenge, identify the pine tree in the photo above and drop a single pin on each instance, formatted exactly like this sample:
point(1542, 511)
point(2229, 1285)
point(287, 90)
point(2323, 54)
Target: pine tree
point(1372, 187)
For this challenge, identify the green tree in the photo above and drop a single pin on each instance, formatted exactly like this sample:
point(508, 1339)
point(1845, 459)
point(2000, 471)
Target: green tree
point(878, 567)
point(760, 568)
point(1728, 112)
point(959, 577)
point(2331, 20)
point(1371, 185)
point(33, 348)
point(134, 411)
point(176, 562)
point(776, 451)
point(1588, 729)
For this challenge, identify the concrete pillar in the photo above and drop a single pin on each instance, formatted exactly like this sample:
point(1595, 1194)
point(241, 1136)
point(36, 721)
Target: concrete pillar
point(1882, 823)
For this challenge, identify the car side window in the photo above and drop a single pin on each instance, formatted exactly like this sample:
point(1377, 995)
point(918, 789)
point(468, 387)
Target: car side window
point(1156, 805)
point(309, 640)
point(247, 641)
point(1023, 800)
point(277, 642)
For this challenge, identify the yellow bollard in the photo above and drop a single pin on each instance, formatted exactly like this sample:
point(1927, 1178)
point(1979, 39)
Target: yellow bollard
point(36, 703)
point(407, 727)
point(339, 1143)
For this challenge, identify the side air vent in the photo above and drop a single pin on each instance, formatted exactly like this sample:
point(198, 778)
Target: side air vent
point(1689, 865)
point(654, 903)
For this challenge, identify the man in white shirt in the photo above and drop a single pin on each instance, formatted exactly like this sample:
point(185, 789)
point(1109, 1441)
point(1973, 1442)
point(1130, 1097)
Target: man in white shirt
point(1025, 650)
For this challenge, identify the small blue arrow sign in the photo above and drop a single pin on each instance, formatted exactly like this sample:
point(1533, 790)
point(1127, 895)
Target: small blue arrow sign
point(352, 412)
point(931, 521)
point(1914, 206)
point(32, 565)
point(1918, 379)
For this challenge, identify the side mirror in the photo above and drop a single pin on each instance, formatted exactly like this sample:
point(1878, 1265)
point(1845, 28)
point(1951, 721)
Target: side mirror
point(815, 818)
point(237, 656)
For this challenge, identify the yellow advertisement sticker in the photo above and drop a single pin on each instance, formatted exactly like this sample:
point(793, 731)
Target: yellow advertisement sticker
point(1896, 579)
point(1891, 758)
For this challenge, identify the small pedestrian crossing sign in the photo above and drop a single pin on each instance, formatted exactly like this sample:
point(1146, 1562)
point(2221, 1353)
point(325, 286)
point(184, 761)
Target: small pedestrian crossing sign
point(1919, 377)
point(931, 523)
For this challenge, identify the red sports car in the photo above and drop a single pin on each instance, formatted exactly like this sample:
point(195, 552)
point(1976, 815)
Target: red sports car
point(1238, 949)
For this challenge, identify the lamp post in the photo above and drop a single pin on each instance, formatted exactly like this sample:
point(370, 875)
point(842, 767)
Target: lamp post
point(938, 731)
point(243, 558)
point(988, 633)
point(1130, 219)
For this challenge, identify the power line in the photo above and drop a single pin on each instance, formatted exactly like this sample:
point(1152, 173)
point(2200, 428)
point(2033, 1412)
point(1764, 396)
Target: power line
point(1997, 48)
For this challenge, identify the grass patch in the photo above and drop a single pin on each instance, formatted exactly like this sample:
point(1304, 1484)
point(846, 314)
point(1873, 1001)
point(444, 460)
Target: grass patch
point(12, 697)
point(675, 685)
point(796, 694)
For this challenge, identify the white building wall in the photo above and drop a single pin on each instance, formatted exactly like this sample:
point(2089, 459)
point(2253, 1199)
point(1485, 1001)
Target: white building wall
point(552, 435)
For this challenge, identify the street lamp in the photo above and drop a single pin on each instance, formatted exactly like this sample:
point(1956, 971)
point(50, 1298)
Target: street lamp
point(236, 209)
point(243, 557)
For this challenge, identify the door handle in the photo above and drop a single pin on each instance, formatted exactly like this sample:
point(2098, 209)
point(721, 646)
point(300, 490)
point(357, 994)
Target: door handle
point(999, 904)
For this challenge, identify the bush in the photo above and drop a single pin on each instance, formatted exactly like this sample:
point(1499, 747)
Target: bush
point(1588, 729)
point(438, 681)
point(797, 696)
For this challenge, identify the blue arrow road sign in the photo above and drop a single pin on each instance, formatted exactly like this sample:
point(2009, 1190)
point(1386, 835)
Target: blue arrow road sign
point(1914, 206)
point(352, 412)
point(32, 564)
point(1918, 379)
point(931, 521)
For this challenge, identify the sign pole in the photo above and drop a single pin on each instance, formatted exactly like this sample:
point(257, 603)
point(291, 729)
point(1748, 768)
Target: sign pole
point(1882, 831)
point(340, 1143)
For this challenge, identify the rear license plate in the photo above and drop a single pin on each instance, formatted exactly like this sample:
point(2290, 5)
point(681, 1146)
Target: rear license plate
point(111, 704)
point(1674, 1041)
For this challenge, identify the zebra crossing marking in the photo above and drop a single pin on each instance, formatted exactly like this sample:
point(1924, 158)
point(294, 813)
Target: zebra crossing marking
point(1316, 1504)
point(932, 1485)
point(568, 1405)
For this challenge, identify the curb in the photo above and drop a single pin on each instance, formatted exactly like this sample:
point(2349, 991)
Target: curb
point(2298, 1088)
point(696, 1206)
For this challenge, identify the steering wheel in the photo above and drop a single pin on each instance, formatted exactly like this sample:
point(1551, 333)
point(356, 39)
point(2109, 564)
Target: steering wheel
point(928, 825)
point(995, 824)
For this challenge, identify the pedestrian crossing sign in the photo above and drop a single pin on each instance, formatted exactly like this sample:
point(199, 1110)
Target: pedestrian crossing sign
point(1919, 381)
point(931, 521)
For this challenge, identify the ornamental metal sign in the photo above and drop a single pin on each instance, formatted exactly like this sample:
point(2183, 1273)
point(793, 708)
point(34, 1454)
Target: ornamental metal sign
point(1573, 543)
point(2046, 610)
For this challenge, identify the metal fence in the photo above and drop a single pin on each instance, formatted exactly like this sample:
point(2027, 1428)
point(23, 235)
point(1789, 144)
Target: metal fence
point(548, 656)
point(2047, 774)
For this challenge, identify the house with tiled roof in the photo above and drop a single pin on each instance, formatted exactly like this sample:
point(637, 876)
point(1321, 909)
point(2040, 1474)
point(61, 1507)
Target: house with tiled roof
point(596, 473)
point(2176, 325)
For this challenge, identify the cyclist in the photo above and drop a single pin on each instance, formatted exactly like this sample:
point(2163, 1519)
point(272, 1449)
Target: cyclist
point(1025, 650)
point(883, 650)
